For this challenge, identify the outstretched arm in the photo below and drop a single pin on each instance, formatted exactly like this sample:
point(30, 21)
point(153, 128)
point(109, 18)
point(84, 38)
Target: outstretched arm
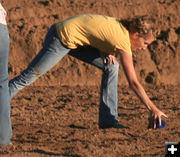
point(127, 63)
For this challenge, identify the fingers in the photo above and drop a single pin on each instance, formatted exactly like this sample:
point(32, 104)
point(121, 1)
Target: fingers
point(159, 120)
point(165, 115)
point(104, 60)
point(110, 59)
point(156, 120)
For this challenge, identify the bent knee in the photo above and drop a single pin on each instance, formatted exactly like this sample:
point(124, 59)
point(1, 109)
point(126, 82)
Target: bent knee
point(112, 68)
point(116, 65)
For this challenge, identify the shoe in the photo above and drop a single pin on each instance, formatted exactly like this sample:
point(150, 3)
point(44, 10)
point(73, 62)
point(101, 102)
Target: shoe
point(115, 125)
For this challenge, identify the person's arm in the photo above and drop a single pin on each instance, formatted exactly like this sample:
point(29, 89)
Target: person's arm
point(127, 63)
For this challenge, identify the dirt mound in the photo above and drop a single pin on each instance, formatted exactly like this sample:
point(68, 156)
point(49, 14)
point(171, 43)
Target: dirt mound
point(29, 21)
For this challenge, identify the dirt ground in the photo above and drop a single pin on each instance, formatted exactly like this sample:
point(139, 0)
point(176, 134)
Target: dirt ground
point(58, 114)
point(63, 121)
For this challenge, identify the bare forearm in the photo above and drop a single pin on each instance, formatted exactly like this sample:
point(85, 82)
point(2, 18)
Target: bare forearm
point(140, 92)
point(127, 62)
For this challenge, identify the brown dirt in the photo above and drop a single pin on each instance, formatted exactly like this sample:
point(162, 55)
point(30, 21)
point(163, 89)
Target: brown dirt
point(58, 114)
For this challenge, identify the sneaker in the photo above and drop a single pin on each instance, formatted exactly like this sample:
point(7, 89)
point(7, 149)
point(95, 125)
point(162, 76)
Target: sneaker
point(115, 125)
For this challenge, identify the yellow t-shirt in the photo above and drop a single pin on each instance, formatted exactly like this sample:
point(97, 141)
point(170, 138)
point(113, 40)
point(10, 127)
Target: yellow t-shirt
point(102, 32)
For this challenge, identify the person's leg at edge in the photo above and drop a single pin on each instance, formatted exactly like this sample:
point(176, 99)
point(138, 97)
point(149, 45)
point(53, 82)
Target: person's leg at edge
point(52, 52)
point(5, 120)
point(108, 114)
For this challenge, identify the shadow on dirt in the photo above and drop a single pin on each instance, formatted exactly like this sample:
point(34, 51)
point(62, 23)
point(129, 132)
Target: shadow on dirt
point(53, 154)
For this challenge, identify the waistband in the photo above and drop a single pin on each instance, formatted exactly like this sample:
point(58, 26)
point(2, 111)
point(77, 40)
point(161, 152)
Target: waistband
point(3, 25)
point(54, 26)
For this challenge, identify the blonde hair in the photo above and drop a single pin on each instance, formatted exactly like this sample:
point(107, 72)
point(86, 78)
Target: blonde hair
point(141, 24)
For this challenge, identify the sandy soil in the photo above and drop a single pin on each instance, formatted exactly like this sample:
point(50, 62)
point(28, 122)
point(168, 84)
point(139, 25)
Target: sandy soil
point(58, 114)
point(63, 121)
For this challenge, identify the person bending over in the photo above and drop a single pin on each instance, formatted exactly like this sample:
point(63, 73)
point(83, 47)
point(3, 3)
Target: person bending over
point(96, 39)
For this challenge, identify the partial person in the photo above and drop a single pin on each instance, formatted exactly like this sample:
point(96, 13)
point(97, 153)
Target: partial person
point(5, 121)
point(96, 39)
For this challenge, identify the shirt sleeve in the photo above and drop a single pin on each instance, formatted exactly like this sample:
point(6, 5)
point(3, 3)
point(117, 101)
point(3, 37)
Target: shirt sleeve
point(123, 45)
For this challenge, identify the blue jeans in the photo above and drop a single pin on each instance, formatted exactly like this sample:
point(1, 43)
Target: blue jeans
point(5, 121)
point(52, 52)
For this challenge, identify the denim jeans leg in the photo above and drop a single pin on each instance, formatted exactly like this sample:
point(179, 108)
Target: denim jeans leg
point(108, 113)
point(109, 95)
point(52, 52)
point(5, 121)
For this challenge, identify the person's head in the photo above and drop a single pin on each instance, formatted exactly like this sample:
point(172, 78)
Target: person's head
point(141, 32)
